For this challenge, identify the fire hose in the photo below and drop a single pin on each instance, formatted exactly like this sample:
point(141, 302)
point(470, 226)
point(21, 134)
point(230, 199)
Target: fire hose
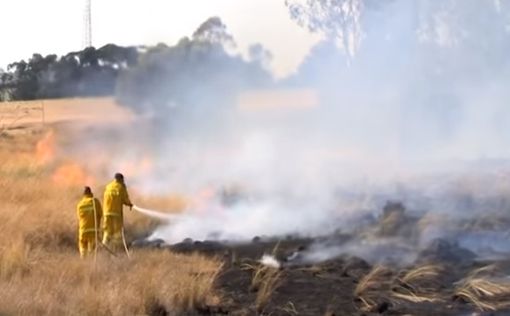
point(147, 212)
point(150, 213)
point(96, 237)
point(125, 244)
point(96, 228)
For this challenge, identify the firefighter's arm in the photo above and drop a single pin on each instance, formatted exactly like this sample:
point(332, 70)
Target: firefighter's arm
point(125, 197)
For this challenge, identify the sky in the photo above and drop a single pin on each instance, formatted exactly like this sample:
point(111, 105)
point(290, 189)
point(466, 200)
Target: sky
point(56, 26)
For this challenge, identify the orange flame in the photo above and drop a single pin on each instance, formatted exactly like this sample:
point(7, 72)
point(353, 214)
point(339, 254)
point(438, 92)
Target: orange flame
point(72, 174)
point(45, 149)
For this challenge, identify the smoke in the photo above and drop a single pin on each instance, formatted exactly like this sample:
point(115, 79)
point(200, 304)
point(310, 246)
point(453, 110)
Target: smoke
point(418, 114)
point(385, 250)
point(245, 221)
point(270, 261)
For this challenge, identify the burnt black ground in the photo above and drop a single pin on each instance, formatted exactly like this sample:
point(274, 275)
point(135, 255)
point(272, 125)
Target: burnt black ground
point(326, 288)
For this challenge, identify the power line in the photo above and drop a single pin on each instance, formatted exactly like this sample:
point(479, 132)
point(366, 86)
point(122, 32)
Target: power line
point(87, 24)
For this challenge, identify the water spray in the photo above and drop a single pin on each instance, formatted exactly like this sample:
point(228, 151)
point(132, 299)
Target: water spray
point(156, 214)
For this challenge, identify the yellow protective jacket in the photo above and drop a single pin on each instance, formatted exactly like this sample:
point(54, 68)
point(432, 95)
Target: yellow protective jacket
point(85, 212)
point(115, 196)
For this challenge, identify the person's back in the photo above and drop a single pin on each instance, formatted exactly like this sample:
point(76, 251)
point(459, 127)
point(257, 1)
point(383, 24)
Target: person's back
point(89, 215)
point(85, 210)
point(115, 196)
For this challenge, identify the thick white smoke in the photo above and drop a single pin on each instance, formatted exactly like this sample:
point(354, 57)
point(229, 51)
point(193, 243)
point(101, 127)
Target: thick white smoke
point(419, 110)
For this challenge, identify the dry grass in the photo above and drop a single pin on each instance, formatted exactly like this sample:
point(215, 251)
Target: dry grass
point(268, 284)
point(372, 286)
point(265, 280)
point(59, 110)
point(11, 114)
point(419, 285)
point(416, 285)
point(40, 269)
point(425, 272)
point(485, 288)
point(15, 259)
point(289, 309)
point(62, 284)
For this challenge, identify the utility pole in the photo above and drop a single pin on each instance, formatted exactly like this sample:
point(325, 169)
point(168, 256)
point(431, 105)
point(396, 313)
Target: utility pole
point(87, 24)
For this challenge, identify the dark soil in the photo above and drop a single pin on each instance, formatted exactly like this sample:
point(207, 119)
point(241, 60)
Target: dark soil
point(326, 288)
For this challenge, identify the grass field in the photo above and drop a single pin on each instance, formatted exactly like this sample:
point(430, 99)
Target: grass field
point(92, 110)
point(40, 269)
point(41, 272)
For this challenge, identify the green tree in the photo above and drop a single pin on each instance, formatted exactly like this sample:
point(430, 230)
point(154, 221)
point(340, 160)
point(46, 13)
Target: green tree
point(91, 72)
point(196, 77)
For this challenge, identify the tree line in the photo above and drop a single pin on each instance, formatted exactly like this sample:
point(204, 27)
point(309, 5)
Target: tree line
point(201, 70)
point(439, 43)
point(90, 72)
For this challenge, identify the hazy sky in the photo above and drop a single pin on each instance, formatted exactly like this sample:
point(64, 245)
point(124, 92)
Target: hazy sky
point(56, 26)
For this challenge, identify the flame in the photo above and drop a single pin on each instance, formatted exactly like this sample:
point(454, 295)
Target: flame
point(45, 149)
point(72, 174)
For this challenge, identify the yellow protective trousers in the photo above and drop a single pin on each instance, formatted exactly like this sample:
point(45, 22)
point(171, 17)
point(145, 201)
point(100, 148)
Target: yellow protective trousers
point(86, 243)
point(112, 231)
point(89, 214)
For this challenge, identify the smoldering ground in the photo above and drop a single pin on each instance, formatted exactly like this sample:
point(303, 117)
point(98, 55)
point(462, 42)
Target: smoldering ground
point(417, 112)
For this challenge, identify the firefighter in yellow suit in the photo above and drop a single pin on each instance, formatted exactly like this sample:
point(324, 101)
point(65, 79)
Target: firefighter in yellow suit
point(115, 197)
point(88, 225)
